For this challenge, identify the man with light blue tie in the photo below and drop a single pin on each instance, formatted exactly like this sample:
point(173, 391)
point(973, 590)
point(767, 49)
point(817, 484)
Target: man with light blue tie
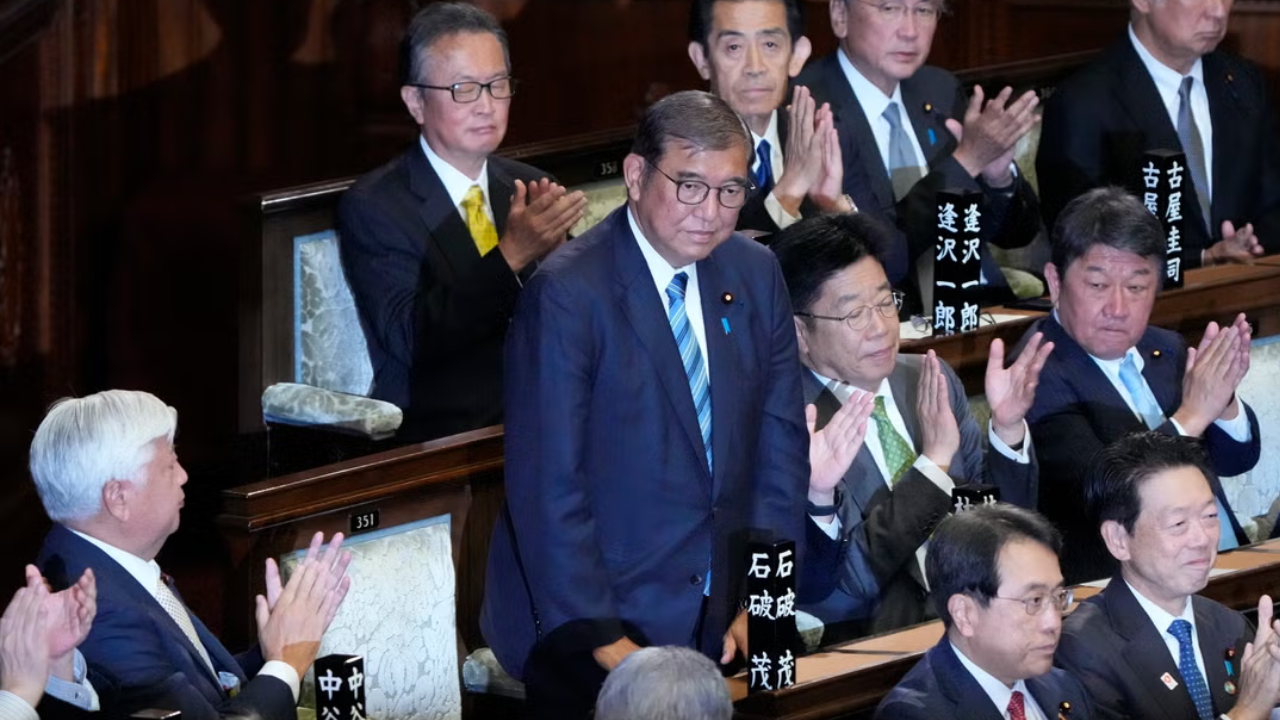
point(1111, 374)
point(907, 131)
point(1147, 647)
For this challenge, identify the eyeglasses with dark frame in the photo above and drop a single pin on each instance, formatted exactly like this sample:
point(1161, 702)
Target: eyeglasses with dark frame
point(694, 192)
point(468, 92)
point(1034, 605)
point(860, 317)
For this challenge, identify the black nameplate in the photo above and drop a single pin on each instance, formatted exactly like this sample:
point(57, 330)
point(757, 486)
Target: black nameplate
point(771, 615)
point(365, 521)
point(957, 263)
point(967, 497)
point(340, 688)
point(1164, 172)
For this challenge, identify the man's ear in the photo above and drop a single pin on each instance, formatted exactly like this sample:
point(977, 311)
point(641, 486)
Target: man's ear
point(799, 56)
point(802, 336)
point(839, 12)
point(115, 499)
point(963, 611)
point(633, 170)
point(1116, 539)
point(699, 57)
point(412, 98)
point(1054, 281)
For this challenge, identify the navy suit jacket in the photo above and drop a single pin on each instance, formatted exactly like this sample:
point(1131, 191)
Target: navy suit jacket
point(1011, 217)
point(612, 514)
point(1077, 412)
point(939, 686)
point(1100, 122)
point(434, 312)
point(871, 571)
point(1110, 644)
point(141, 659)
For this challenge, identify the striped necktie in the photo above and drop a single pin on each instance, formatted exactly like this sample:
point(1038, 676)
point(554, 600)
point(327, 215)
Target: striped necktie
point(691, 356)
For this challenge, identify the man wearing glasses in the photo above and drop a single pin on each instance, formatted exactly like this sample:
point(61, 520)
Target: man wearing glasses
point(1147, 646)
point(906, 132)
point(879, 488)
point(653, 418)
point(435, 244)
point(993, 572)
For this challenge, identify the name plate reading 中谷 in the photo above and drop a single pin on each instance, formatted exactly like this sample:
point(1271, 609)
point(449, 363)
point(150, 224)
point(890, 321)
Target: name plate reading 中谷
point(1164, 173)
point(957, 263)
point(340, 687)
point(365, 520)
point(771, 615)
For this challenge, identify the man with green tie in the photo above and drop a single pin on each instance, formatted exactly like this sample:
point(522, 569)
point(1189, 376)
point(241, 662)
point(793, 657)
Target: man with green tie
point(435, 244)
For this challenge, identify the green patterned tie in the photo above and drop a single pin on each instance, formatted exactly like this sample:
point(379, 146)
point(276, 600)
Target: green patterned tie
point(898, 455)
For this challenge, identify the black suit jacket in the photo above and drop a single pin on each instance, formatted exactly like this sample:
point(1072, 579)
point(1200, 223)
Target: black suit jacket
point(434, 312)
point(870, 574)
point(1100, 121)
point(939, 686)
point(1110, 644)
point(1077, 411)
point(1011, 217)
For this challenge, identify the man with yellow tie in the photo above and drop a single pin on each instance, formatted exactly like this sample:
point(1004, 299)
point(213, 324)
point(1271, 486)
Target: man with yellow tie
point(435, 244)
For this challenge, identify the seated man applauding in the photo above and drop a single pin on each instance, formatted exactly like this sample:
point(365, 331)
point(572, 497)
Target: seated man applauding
point(1147, 647)
point(39, 633)
point(874, 502)
point(107, 474)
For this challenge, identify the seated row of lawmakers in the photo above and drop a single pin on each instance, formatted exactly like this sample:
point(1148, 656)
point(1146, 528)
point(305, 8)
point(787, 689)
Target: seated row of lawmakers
point(438, 243)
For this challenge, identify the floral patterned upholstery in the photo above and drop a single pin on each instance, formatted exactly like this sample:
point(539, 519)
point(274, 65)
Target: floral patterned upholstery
point(296, 404)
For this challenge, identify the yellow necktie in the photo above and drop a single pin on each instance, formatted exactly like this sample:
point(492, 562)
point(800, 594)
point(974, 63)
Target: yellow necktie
point(482, 230)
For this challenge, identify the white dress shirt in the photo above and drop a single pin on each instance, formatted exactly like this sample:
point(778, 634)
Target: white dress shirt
point(1000, 693)
point(147, 573)
point(1168, 82)
point(874, 102)
point(456, 183)
point(662, 272)
point(777, 213)
point(1162, 620)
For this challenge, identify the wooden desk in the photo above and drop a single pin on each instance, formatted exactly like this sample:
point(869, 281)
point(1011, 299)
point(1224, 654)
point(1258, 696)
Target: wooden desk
point(852, 678)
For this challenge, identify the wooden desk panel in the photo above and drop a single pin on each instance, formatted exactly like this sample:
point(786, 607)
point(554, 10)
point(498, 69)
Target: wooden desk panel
point(854, 677)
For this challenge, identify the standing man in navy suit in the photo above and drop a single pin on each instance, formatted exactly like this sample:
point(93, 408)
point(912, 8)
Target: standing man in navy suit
point(874, 503)
point(435, 243)
point(993, 574)
point(653, 420)
point(1147, 647)
point(106, 471)
point(1111, 374)
point(906, 132)
point(1165, 85)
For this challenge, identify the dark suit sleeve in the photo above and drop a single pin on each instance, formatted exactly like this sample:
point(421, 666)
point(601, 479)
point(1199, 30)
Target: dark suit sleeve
point(1229, 456)
point(906, 707)
point(1267, 222)
point(408, 303)
point(1069, 158)
point(549, 366)
point(893, 528)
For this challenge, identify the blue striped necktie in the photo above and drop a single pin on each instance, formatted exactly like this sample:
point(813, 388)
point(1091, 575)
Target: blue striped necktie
point(1190, 671)
point(764, 169)
point(691, 356)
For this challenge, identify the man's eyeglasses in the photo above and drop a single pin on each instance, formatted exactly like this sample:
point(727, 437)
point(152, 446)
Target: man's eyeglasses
point(893, 13)
point(1060, 599)
point(694, 192)
point(860, 316)
point(467, 92)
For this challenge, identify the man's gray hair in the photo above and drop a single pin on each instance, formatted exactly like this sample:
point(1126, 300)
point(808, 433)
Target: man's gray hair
point(665, 683)
point(437, 21)
point(84, 443)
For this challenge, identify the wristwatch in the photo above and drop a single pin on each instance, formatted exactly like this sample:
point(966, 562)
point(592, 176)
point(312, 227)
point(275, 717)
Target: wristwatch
point(824, 510)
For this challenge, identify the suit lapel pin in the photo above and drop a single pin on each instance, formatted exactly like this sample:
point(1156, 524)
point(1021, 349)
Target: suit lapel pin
point(725, 322)
point(1168, 681)
point(933, 137)
point(1064, 710)
point(1227, 656)
point(1230, 687)
point(1156, 353)
point(727, 298)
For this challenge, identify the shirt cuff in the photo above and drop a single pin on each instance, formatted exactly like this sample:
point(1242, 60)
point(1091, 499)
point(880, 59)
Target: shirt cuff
point(1023, 456)
point(285, 673)
point(930, 469)
point(1237, 428)
point(79, 693)
point(779, 214)
point(832, 529)
point(13, 707)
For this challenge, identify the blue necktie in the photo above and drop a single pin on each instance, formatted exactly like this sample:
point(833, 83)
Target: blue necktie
point(1181, 629)
point(691, 356)
point(1144, 402)
point(904, 168)
point(1193, 147)
point(764, 170)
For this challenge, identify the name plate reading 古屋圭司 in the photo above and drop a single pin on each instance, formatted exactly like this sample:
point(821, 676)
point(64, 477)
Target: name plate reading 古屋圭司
point(957, 262)
point(771, 615)
point(1163, 174)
